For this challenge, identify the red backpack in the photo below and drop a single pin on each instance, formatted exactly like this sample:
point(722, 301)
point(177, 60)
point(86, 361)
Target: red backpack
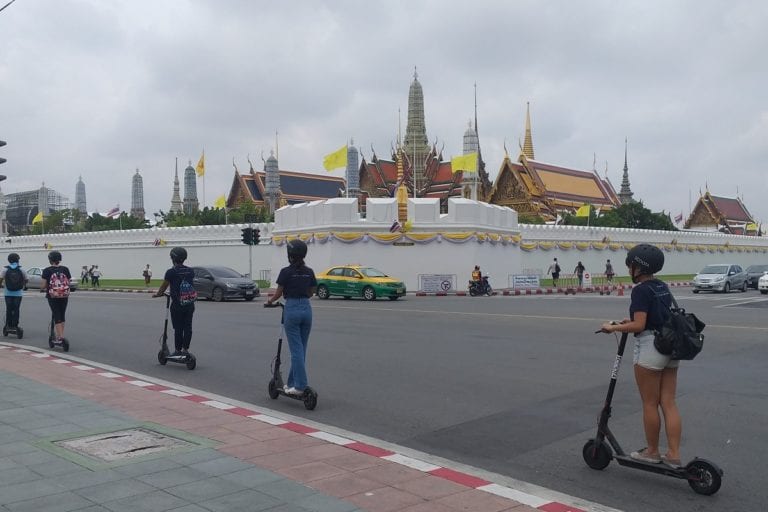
point(58, 285)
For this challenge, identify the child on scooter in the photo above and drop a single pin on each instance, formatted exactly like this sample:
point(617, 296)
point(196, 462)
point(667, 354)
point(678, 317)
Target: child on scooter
point(15, 280)
point(56, 280)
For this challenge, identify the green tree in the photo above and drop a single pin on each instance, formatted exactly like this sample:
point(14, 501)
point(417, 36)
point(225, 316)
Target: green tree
point(529, 218)
point(635, 215)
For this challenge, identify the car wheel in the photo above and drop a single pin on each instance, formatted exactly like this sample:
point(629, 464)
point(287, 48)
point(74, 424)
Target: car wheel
point(217, 294)
point(695, 291)
point(763, 291)
point(322, 292)
point(369, 293)
point(727, 287)
point(744, 287)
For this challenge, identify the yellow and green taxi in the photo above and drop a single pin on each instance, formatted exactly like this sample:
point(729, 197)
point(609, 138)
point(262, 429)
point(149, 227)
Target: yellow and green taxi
point(358, 281)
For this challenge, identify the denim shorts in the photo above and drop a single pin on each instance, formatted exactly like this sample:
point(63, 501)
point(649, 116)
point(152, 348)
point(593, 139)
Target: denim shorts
point(647, 356)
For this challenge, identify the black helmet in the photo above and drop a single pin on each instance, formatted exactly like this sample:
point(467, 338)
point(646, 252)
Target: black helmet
point(297, 250)
point(178, 255)
point(54, 256)
point(647, 258)
point(13, 258)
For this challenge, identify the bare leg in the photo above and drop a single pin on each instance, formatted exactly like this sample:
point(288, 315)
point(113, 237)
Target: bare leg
point(59, 328)
point(649, 385)
point(672, 421)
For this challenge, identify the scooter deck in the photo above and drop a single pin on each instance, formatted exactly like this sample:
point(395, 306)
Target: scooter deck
point(658, 467)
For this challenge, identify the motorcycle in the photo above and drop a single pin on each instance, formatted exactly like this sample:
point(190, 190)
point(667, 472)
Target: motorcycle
point(482, 287)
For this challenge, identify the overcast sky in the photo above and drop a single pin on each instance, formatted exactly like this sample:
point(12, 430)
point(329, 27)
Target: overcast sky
point(99, 88)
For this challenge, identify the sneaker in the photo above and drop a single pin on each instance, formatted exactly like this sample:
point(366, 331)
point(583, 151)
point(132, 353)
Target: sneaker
point(293, 391)
point(177, 353)
point(642, 456)
point(673, 463)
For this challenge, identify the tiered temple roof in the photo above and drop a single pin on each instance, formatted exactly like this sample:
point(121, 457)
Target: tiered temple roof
point(295, 187)
point(725, 214)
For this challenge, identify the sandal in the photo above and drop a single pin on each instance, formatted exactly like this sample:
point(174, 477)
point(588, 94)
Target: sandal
point(642, 456)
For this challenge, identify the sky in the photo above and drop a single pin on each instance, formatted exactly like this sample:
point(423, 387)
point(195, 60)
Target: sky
point(97, 89)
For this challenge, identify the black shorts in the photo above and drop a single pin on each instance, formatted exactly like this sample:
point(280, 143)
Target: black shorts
point(555, 275)
point(58, 309)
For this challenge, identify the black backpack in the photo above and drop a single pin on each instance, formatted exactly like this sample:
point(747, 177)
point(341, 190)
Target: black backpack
point(680, 336)
point(14, 279)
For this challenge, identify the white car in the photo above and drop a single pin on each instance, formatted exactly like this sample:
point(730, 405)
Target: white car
point(762, 284)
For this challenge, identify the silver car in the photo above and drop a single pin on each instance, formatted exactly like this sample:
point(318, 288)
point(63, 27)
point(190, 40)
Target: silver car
point(35, 276)
point(222, 283)
point(722, 277)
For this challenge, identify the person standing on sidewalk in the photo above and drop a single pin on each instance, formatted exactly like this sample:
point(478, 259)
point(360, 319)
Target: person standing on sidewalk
point(180, 279)
point(56, 280)
point(609, 271)
point(147, 273)
point(15, 280)
point(297, 283)
point(95, 276)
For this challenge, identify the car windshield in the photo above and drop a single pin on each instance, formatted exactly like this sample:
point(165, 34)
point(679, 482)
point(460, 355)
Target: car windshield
point(224, 272)
point(757, 269)
point(715, 269)
point(372, 272)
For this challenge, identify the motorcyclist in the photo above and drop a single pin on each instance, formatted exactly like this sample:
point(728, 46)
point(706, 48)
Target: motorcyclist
point(477, 276)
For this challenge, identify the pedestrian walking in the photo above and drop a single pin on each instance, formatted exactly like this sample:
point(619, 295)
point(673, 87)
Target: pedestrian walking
point(579, 271)
point(554, 269)
point(609, 271)
point(84, 275)
point(95, 276)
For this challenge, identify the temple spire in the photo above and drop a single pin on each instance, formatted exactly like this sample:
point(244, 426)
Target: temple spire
point(528, 143)
point(625, 194)
point(415, 143)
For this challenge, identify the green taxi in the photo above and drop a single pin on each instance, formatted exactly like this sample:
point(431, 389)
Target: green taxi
point(358, 281)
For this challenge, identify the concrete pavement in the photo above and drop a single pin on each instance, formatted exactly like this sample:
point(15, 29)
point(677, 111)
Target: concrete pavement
point(233, 458)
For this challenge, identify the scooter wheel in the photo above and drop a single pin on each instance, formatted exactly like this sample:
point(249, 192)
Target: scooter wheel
point(704, 477)
point(65, 345)
point(310, 399)
point(51, 344)
point(191, 363)
point(272, 390)
point(597, 456)
point(19, 333)
point(161, 357)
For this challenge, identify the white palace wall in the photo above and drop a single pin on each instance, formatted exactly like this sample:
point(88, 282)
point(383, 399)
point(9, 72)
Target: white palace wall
point(446, 245)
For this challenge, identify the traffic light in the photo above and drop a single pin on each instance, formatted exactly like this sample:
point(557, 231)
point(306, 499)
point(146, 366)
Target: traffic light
point(2, 160)
point(255, 236)
point(247, 236)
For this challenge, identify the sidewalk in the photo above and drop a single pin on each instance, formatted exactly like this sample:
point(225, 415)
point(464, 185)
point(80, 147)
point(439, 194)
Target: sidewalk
point(233, 458)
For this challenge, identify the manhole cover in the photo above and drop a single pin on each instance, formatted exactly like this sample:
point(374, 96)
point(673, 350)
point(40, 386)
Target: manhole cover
point(123, 444)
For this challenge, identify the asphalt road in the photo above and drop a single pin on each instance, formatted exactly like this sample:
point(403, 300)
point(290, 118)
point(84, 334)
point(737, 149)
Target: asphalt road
point(512, 385)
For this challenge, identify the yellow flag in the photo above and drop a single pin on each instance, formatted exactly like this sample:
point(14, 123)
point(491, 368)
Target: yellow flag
point(38, 218)
point(220, 202)
point(583, 211)
point(336, 159)
point(751, 226)
point(201, 165)
point(466, 163)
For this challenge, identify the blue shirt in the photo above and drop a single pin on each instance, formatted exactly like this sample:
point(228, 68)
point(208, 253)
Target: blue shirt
point(296, 281)
point(653, 298)
point(175, 275)
point(13, 293)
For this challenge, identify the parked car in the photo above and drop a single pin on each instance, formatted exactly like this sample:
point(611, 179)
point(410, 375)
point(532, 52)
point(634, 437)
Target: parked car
point(754, 273)
point(358, 281)
point(223, 283)
point(35, 279)
point(723, 278)
point(762, 284)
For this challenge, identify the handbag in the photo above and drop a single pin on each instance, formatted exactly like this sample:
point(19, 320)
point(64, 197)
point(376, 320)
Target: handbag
point(680, 335)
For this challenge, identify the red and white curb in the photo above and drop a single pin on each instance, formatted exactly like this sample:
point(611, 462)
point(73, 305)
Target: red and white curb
point(540, 502)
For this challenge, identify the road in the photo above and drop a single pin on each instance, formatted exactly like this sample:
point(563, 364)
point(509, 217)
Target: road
point(512, 385)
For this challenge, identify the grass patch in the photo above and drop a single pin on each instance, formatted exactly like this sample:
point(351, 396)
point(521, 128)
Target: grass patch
point(626, 280)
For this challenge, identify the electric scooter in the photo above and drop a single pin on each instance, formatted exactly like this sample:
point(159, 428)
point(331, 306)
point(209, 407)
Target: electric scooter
point(703, 476)
point(53, 342)
point(164, 355)
point(18, 331)
point(276, 386)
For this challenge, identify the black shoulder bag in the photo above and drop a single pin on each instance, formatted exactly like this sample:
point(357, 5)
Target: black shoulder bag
point(680, 336)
